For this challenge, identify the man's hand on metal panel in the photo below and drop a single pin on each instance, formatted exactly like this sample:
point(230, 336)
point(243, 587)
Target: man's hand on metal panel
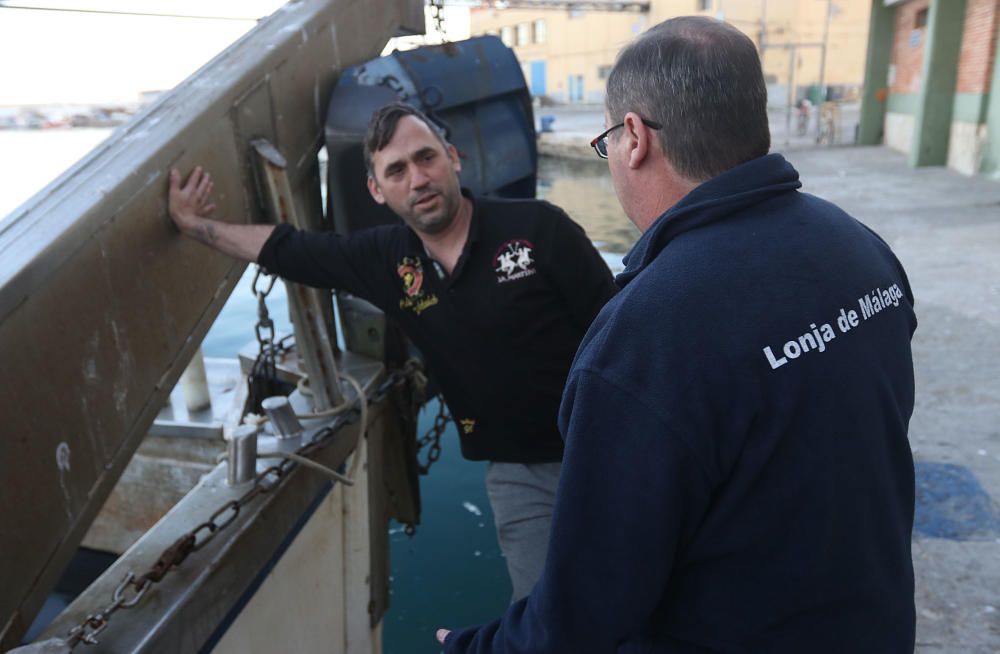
point(190, 205)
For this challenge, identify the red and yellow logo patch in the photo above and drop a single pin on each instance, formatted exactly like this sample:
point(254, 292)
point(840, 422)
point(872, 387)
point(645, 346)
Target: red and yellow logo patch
point(411, 273)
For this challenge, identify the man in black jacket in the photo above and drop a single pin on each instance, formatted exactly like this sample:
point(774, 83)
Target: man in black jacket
point(496, 294)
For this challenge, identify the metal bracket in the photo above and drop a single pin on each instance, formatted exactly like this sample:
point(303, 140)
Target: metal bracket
point(314, 338)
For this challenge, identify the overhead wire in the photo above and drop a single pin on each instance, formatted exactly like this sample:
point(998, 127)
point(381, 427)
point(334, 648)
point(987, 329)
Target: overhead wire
point(114, 12)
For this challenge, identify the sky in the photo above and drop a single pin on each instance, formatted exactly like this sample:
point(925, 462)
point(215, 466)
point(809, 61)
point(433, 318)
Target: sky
point(65, 57)
point(62, 57)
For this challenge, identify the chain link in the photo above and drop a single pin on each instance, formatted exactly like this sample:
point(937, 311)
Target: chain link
point(95, 623)
point(263, 382)
point(432, 439)
point(266, 481)
point(264, 328)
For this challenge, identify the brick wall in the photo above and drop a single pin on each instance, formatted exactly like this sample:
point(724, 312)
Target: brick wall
point(908, 47)
point(979, 42)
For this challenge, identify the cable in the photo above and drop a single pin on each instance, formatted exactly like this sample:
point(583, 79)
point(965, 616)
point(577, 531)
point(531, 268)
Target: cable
point(329, 413)
point(303, 387)
point(111, 12)
point(309, 463)
point(363, 400)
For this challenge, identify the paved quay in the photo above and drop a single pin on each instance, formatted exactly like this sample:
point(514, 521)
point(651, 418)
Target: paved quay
point(945, 228)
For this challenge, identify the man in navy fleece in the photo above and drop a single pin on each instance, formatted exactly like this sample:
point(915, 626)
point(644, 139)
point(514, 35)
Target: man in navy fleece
point(737, 476)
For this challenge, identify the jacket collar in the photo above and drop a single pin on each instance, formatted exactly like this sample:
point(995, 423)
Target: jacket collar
point(716, 199)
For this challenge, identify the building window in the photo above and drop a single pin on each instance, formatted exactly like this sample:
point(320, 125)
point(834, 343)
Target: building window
point(507, 35)
point(704, 5)
point(539, 31)
point(603, 72)
point(920, 20)
point(523, 33)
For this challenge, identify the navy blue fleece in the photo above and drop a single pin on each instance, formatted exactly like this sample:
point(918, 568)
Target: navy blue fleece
point(737, 475)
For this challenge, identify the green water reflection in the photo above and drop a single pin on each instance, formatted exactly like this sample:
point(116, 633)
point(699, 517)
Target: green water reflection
point(583, 189)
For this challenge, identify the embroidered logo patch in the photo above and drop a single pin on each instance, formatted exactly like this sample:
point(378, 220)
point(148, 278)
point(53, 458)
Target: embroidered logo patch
point(513, 261)
point(468, 425)
point(411, 273)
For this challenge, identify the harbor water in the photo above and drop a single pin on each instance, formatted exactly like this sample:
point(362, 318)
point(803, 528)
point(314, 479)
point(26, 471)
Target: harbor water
point(451, 573)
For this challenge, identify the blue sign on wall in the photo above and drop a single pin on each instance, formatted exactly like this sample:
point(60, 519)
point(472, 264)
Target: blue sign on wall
point(575, 88)
point(537, 78)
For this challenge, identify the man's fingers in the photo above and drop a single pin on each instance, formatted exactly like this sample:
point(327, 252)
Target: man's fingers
point(441, 635)
point(204, 185)
point(194, 179)
point(191, 199)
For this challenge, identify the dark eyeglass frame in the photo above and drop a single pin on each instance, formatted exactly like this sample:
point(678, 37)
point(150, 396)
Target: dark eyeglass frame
point(600, 143)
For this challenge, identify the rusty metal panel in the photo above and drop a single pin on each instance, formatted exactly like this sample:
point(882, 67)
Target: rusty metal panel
point(161, 482)
point(102, 302)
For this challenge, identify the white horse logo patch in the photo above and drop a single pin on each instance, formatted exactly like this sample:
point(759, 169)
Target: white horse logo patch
point(513, 261)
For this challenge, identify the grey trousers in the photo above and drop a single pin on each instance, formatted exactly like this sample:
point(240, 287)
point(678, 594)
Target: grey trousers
point(522, 496)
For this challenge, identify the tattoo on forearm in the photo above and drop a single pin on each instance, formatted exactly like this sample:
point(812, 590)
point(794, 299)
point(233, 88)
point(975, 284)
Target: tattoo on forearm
point(206, 233)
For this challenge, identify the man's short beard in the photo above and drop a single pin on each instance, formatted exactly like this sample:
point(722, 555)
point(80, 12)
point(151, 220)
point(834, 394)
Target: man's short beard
point(436, 222)
point(433, 226)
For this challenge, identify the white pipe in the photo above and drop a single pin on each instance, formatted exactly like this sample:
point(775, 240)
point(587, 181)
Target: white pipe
point(194, 384)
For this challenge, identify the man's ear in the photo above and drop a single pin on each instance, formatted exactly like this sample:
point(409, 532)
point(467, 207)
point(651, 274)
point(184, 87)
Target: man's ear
point(637, 137)
point(456, 162)
point(375, 190)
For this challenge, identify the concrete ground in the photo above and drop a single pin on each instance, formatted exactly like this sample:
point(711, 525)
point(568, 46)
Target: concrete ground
point(945, 228)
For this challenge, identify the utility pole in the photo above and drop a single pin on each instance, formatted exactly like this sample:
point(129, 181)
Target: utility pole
point(762, 38)
point(792, 56)
point(822, 56)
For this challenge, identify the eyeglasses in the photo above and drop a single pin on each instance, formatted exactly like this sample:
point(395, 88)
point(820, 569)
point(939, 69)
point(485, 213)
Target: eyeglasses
point(600, 144)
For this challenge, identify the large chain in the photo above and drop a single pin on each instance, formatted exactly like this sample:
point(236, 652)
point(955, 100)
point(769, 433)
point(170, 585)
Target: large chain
point(266, 481)
point(264, 328)
point(432, 439)
point(194, 540)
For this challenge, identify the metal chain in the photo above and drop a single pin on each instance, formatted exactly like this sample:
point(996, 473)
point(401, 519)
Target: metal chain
point(264, 322)
point(433, 438)
point(266, 481)
point(263, 379)
point(95, 623)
